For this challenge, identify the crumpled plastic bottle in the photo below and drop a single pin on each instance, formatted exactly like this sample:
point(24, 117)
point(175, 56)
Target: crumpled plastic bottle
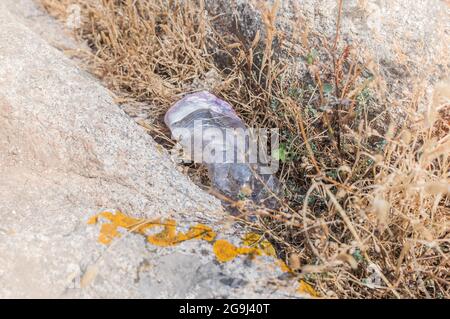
point(207, 128)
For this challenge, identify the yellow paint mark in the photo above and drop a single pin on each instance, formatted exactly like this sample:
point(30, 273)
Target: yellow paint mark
point(253, 244)
point(265, 248)
point(305, 288)
point(226, 251)
point(93, 220)
point(167, 237)
point(283, 266)
point(253, 239)
point(109, 231)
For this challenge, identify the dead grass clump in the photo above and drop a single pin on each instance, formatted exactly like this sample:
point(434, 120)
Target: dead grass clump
point(365, 211)
point(147, 51)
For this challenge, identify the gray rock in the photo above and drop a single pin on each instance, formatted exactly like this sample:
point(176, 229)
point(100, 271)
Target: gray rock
point(402, 42)
point(386, 28)
point(68, 152)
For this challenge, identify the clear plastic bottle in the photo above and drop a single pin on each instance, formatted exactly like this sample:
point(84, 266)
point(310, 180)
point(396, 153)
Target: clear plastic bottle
point(211, 133)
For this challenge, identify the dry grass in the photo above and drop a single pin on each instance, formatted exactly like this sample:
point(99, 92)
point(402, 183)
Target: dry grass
point(365, 212)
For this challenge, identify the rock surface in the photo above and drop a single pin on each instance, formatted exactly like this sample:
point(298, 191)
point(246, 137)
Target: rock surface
point(415, 27)
point(68, 152)
point(403, 43)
